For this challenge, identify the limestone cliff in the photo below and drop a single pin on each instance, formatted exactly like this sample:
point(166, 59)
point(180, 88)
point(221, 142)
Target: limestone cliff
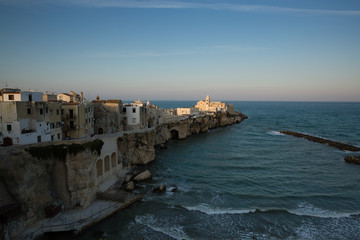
point(71, 171)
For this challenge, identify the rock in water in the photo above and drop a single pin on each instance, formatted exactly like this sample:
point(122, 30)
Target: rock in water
point(352, 159)
point(160, 189)
point(143, 176)
point(130, 186)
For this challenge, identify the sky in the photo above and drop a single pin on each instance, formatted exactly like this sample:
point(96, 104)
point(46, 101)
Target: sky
point(247, 50)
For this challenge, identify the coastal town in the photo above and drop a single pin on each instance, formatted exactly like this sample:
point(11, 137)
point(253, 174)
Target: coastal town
point(62, 156)
point(32, 117)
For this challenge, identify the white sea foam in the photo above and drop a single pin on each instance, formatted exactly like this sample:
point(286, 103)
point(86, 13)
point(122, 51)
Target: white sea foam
point(305, 209)
point(205, 208)
point(275, 133)
point(162, 226)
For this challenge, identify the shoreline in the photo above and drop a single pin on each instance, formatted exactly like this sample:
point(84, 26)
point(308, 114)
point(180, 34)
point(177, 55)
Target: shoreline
point(134, 147)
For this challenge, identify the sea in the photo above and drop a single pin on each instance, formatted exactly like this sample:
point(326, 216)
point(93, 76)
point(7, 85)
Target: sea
point(249, 181)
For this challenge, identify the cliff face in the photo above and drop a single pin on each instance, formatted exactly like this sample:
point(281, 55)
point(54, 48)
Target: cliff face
point(137, 148)
point(38, 175)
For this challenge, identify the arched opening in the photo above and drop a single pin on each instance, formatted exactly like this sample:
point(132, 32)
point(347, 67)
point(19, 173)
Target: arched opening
point(113, 160)
point(107, 164)
point(100, 131)
point(99, 168)
point(7, 141)
point(174, 134)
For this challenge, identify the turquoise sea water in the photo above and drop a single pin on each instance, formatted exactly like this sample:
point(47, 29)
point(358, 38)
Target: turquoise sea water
point(248, 181)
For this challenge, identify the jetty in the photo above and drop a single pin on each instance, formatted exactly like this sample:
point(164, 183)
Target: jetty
point(338, 145)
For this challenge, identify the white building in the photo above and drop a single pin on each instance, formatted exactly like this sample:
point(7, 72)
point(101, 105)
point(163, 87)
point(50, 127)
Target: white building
point(187, 111)
point(135, 115)
point(29, 122)
point(14, 94)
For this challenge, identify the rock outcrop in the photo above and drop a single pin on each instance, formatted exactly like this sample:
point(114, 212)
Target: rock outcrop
point(352, 159)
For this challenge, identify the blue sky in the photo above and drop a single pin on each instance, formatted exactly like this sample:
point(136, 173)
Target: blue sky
point(282, 50)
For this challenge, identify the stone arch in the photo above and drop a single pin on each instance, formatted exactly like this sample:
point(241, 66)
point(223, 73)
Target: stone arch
point(113, 160)
point(99, 168)
point(100, 131)
point(174, 134)
point(107, 163)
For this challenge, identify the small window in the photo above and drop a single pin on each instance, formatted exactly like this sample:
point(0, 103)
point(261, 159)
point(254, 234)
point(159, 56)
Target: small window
point(11, 97)
point(58, 135)
point(9, 127)
point(134, 110)
point(52, 125)
point(29, 111)
point(51, 113)
point(124, 110)
point(71, 113)
point(62, 111)
point(58, 124)
point(71, 124)
point(52, 137)
point(134, 120)
point(57, 111)
point(41, 111)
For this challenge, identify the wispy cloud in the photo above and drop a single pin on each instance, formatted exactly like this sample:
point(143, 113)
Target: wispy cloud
point(150, 54)
point(170, 4)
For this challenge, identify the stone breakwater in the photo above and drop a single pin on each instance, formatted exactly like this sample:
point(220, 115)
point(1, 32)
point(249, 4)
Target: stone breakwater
point(72, 172)
point(339, 145)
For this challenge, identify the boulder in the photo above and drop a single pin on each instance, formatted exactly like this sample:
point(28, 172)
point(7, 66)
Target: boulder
point(127, 178)
point(130, 186)
point(160, 189)
point(352, 159)
point(143, 176)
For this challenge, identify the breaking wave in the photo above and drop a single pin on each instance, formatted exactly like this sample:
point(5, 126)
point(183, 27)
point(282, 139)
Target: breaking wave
point(163, 227)
point(302, 210)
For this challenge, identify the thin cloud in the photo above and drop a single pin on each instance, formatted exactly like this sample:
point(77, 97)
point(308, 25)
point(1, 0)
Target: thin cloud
point(184, 5)
point(200, 50)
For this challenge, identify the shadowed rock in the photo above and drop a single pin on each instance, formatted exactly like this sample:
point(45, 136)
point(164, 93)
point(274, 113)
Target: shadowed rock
point(352, 159)
point(339, 145)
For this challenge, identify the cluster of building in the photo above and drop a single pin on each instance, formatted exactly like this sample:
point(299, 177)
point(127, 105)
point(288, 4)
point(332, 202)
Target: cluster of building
point(30, 117)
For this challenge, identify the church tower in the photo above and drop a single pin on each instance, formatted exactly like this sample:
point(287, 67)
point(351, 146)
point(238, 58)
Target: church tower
point(207, 100)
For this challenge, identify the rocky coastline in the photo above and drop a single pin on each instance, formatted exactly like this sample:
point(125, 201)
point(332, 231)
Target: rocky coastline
point(37, 176)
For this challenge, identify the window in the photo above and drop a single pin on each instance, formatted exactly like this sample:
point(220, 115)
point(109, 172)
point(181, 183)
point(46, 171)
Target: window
point(62, 111)
point(71, 113)
point(71, 124)
point(30, 98)
point(11, 97)
point(9, 127)
point(58, 124)
point(134, 120)
point(52, 137)
point(39, 138)
point(134, 110)
point(41, 111)
point(124, 110)
point(58, 135)
point(57, 111)
point(51, 112)
point(52, 125)
point(29, 111)
point(46, 109)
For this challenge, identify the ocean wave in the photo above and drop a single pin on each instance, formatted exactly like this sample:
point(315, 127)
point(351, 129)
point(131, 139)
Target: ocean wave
point(302, 210)
point(275, 133)
point(305, 209)
point(159, 225)
point(205, 208)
